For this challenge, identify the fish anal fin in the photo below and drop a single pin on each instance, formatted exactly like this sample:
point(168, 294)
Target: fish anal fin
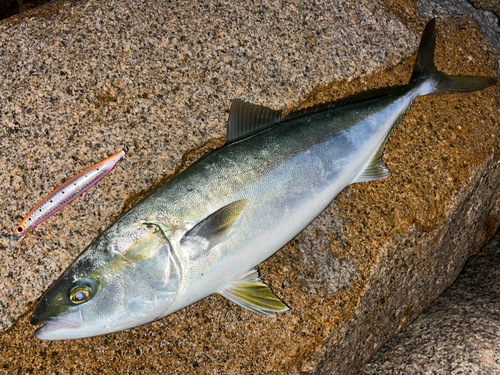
point(252, 294)
point(247, 118)
point(375, 170)
point(213, 229)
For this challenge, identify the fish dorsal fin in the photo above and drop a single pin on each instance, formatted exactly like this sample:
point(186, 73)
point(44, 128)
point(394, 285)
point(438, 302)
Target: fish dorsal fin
point(247, 118)
point(351, 99)
point(252, 294)
point(375, 169)
point(212, 230)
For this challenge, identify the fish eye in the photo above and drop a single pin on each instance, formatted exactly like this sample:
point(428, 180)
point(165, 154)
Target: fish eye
point(80, 294)
point(82, 290)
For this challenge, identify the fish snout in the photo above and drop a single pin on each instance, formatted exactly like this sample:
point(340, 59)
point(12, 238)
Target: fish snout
point(58, 327)
point(45, 310)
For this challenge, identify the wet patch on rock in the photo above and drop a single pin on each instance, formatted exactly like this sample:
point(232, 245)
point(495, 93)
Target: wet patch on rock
point(326, 269)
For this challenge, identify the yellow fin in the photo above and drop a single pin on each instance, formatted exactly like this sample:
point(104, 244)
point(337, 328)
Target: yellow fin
point(252, 294)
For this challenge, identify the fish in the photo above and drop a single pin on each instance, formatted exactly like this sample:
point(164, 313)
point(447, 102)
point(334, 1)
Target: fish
point(205, 230)
point(68, 192)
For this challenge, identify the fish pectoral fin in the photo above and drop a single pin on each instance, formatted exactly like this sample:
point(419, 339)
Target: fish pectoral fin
point(247, 118)
point(252, 294)
point(375, 169)
point(213, 229)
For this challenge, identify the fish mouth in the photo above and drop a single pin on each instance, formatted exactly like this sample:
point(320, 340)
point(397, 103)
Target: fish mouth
point(58, 322)
point(52, 326)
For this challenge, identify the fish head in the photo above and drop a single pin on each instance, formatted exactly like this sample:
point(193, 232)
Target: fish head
point(122, 280)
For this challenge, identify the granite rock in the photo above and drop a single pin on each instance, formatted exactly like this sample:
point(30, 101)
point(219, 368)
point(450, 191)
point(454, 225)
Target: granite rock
point(462, 8)
point(79, 79)
point(492, 5)
point(458, 333)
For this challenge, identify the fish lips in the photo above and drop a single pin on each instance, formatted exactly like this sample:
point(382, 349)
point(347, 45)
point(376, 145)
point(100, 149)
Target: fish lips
point(54, 318)
point(55, 328)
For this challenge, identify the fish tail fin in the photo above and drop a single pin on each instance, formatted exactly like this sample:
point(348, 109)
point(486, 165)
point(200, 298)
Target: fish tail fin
point(436, 82)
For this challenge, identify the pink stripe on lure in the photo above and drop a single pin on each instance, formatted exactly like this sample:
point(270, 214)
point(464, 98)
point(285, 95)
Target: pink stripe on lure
point(68, 192)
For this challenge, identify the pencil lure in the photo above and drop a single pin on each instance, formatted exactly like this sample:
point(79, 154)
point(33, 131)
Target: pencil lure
point(68, 192)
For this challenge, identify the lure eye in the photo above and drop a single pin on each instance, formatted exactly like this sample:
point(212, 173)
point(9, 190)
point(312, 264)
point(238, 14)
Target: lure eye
point(20, 230)
point(80, 294)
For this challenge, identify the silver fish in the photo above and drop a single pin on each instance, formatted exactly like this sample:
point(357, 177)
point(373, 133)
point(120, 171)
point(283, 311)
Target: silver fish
point(205, 230)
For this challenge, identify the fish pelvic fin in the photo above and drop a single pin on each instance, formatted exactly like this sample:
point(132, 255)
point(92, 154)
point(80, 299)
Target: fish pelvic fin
point(252, 294)
point(435, 82)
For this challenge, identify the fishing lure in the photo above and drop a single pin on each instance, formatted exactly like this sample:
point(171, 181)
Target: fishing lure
point(68, 192)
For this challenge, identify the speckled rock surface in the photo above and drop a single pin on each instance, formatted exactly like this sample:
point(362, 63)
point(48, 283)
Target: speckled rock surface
point(462, 8)
point(78, 80)
point(458, 333)
point(492, 5)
